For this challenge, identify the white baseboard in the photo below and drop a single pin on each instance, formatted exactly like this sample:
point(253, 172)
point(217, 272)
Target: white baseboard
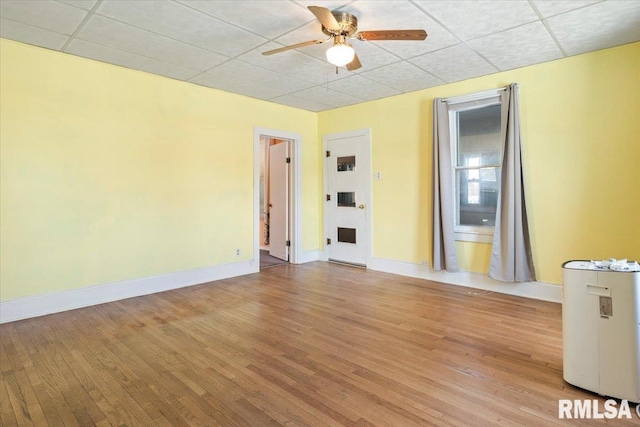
point(43, 304)
point(55, 302)
point(308, 256)
point(536, 290)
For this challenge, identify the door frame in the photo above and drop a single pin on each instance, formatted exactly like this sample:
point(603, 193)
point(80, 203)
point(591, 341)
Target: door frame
point(295, 190)
point(368, 219)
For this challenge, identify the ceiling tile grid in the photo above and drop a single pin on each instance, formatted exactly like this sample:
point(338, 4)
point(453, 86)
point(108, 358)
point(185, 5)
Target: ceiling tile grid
point(235, 73)
point(326, 95)
point(518, 47)
point(403, 76)
point(454, 63)
point(137, 62)
point(361, 87)
point(181, 23)
point(117, 35)
point(597, 27)
point(470, 19)
point(219, 44)
point(25, 33)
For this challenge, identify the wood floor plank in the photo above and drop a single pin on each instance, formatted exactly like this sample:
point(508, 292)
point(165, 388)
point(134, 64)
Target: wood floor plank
point(308, 345)
point(7, 414)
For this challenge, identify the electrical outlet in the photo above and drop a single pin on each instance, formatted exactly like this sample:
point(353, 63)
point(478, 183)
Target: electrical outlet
point(237, 252)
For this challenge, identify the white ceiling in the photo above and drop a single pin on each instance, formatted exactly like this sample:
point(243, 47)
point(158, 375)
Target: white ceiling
point(219, 43)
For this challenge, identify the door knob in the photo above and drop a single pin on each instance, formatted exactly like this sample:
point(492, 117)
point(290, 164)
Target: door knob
point(361, 206)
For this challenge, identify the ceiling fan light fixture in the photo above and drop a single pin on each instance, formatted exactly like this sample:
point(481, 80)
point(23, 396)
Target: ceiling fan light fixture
point(340, 25)
point(341, 53)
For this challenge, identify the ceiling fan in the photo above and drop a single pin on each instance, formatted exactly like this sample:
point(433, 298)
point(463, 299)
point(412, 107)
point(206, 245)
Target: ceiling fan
point(341, 25)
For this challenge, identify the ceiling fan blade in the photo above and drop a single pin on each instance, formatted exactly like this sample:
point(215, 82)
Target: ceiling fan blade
point(355, 64)
point(293, 46)
point(392, 35)
point(325, 17)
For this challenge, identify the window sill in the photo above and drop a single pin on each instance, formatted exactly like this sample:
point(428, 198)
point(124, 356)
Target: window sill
point(465, 236)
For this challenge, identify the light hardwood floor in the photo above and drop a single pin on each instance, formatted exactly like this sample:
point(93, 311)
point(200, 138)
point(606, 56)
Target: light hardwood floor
point(311, 345)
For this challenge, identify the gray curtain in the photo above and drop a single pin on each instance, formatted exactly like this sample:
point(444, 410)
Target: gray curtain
point(511, 259)
point(444, 250)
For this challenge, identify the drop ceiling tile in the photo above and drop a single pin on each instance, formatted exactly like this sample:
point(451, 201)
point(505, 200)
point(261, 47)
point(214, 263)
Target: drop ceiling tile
point(309, 31)
point(396, 15)
point(82, 4)
point(472, 19)
point(180, 39)
point(31, 35)
point(372, 55)
point(324, 95)
point(301, 103)
point(257, 92)
point(454, 63)
point(182, 23)
point(329, 4)
point(110, 33)
point(48, 15)
point(550, 8)
point(129, 60)
point(293, 63)
point(362, 87)
point(237, 87)
point(518, 47)
point(403, 76)
point(599, 26)
point(267, 18)
point(240, 75)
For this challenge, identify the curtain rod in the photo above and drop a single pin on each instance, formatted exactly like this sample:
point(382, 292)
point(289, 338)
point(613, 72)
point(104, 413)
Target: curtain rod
point(472, 96)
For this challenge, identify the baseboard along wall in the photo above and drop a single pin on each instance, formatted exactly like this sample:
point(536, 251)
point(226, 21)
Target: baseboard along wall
point(55, 302)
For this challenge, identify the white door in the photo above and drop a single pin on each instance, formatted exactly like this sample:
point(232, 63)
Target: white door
point(347, 197)
point(279, 200)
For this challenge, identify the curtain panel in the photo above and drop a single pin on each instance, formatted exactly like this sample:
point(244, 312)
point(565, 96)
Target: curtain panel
point(444, 244)
point(511, 259)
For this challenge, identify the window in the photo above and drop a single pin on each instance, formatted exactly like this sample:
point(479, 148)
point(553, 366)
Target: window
point(476, 160)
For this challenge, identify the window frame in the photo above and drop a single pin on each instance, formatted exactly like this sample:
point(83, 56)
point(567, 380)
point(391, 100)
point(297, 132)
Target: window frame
point(469, 233)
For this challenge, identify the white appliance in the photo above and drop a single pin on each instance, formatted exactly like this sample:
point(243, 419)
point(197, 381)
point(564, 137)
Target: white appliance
point(601, 327)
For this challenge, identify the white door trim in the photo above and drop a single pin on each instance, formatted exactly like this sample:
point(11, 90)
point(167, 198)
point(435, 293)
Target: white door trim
point(366, 132)
point(295, 194)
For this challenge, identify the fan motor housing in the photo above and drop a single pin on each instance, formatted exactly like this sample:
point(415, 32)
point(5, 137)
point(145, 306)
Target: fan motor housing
point(348, 24)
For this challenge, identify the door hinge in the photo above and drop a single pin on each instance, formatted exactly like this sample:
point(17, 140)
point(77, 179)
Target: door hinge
point(288, 243)
point(328, 153)
point(288, 159)
point(328, 241)
point(328, 197)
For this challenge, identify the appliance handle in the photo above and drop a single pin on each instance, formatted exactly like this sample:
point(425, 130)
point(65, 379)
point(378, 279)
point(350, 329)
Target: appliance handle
point(599, 290)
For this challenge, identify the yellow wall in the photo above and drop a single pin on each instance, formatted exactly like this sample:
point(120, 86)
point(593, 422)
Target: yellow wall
point(581, 147)
point(110, 174)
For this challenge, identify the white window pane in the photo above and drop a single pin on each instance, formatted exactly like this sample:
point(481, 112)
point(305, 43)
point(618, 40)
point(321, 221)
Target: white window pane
point(477, 199)
point(473, 193)
point(488, 174)
point(346, 163)
point(479, 136)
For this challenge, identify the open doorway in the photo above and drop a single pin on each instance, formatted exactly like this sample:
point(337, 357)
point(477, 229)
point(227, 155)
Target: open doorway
point(277, 198)
point(275, 164)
